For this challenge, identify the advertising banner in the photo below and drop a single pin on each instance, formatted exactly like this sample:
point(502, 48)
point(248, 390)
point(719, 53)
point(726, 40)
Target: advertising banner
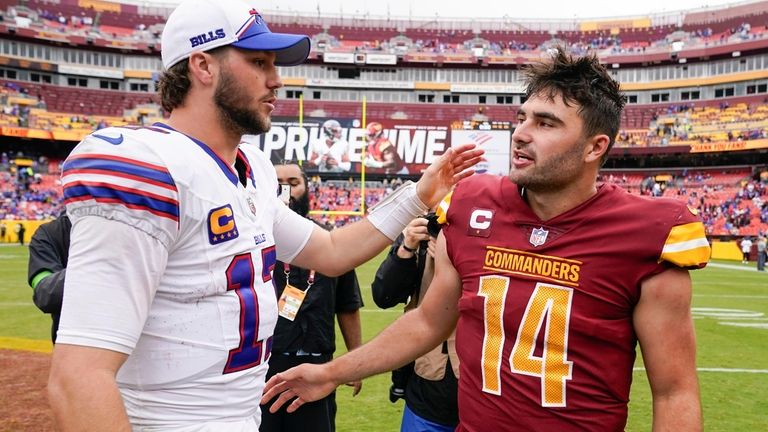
point(494, 137)
point(337, 145)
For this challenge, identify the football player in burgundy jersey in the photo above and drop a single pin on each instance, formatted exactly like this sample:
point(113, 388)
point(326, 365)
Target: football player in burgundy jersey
point(552, 281)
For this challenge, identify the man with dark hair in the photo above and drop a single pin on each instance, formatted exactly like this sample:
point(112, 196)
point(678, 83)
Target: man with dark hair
point(305, 331)
point(169, 308)
point(551, 280)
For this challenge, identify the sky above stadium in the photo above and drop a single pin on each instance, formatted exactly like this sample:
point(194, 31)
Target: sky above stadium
point(551, 9)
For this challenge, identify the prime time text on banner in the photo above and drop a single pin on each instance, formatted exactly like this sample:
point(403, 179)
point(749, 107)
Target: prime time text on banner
point(335, 145)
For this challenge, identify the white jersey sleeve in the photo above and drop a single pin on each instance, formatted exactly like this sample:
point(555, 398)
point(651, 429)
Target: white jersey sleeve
point(113, 173)
point(97, 311)
point(124, 206)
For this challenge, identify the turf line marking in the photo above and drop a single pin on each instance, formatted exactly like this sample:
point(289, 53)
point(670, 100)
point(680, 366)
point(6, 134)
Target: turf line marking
point(743, 324)
point(720, 370)
point(14, 304)
point(746, 267)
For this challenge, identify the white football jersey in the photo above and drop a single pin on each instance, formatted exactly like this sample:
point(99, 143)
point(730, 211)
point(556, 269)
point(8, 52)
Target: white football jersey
point(337, 151)
point(198, 330)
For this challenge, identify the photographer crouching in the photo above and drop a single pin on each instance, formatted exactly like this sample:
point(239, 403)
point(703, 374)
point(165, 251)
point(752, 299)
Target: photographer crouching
point(430, 384)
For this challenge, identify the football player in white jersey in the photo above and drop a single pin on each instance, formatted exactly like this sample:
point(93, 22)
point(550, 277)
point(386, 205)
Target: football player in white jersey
point(169, 308)
point(331, 154)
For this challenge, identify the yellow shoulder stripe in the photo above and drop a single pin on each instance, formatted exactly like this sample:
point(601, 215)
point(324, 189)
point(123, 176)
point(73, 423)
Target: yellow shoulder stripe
point(686, 246)
point(442, 209)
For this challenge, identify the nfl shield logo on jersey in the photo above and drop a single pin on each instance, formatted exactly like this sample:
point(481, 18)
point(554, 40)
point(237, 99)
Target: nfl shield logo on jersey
point(538, 236)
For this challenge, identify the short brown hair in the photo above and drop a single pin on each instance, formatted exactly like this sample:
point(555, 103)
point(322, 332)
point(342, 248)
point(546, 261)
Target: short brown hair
point(584, 81)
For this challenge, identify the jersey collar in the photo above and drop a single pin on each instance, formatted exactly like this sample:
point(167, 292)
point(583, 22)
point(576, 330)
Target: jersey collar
point(228, 171)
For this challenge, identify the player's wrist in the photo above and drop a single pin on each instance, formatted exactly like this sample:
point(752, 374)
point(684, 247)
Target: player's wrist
point(395, 212)
point(336, 372)
point(405, 253)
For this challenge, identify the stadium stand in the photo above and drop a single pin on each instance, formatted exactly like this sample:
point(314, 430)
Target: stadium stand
point(714, 119)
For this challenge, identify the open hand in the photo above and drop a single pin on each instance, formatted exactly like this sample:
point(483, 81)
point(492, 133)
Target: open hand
point(446, 171)
point(301, 384)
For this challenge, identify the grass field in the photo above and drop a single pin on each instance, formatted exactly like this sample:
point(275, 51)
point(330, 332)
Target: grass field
point(730, 305)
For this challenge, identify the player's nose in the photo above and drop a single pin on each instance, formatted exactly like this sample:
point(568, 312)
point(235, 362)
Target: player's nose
point(521, 135)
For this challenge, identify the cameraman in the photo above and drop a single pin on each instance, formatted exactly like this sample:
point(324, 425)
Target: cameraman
point(430, 384)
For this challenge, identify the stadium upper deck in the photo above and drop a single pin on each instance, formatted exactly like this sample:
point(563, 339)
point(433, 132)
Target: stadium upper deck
point(81, 64)
point(122, 26)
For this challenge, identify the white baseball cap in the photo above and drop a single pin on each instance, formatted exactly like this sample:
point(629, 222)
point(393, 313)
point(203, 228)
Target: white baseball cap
point(202, 25)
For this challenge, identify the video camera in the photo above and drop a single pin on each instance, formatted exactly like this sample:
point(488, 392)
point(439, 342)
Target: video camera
point(433, 227)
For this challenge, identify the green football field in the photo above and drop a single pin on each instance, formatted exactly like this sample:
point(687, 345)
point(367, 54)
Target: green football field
point(730, 306)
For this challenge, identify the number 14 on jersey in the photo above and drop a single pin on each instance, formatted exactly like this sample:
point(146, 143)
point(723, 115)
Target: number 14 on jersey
point(546, 316)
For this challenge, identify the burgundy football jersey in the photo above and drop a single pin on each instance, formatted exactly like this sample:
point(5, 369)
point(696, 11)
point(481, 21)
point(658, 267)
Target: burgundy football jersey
point(545, 333)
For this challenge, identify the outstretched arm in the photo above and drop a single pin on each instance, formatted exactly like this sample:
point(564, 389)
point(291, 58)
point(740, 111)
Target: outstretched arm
point(664, 327)
point(355, 244)
point(412, 335)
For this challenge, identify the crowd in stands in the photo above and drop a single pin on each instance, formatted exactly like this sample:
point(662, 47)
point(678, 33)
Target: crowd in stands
point(21, 108)
point(345, 196)
point(68, 19)
point(730, 203)
point(24, 105)
point(29, 188)
point(684, 124)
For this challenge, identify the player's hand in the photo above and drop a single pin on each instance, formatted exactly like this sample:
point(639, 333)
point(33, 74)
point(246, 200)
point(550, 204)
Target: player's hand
point(356, 387)
point(446, 171)
point(301, 384)
point(373, 163)
point(431, 247)
point(330, 162)
point(415, 232)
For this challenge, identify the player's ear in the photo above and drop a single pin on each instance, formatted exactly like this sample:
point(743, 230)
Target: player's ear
point(596, 147)
point(202, 67)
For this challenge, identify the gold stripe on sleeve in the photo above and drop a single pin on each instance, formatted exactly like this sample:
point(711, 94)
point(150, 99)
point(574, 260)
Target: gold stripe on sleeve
point(442, 209)
point(686, 246)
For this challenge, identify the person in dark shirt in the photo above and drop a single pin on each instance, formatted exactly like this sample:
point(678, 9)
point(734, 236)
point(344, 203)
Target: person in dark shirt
point(305, 330)
point(20, 231)
point(430, 383)
point(48, 254)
